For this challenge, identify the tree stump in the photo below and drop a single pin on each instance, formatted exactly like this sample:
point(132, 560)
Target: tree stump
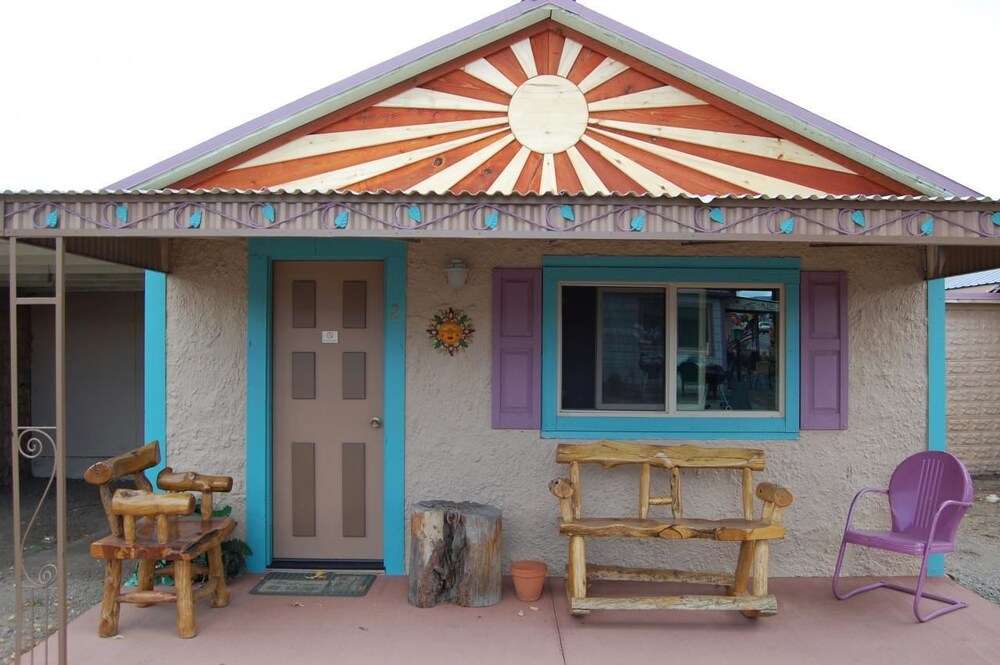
point(454, 554)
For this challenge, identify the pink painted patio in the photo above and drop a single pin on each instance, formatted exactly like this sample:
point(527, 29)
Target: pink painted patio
point(811, 627)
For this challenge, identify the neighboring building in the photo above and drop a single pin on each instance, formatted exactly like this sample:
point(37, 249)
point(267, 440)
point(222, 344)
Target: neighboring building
point(973, 318)
point(646, 248)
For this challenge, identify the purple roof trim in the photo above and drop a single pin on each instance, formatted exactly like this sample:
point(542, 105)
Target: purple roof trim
point(513, 12)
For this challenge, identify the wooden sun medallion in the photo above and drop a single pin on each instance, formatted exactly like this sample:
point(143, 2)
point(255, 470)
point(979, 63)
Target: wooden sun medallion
point(550, 113)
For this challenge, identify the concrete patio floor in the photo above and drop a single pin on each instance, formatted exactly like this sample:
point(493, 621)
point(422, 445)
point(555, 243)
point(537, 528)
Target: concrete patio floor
point(811, 627)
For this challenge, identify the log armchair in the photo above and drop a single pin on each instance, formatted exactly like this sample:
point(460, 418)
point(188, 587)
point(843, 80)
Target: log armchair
point(150, 527)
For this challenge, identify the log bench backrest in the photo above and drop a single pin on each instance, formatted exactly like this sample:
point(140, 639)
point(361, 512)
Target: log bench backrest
point(133, 463)
point(670, 458)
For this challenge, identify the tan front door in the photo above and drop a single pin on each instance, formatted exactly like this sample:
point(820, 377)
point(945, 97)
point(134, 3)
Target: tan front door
point(327, 370)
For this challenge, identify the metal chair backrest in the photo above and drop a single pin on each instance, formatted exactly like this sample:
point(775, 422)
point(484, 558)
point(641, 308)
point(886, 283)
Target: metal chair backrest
point(919, 485)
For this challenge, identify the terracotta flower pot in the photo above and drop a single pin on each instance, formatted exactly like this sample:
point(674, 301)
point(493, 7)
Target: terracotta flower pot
point(529, 579)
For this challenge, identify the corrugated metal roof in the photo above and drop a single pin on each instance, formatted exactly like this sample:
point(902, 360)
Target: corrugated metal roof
point(973, 279)
point(832, 198)
point(520, 15)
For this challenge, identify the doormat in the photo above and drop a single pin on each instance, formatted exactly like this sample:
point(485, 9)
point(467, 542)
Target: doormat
point(313, 583)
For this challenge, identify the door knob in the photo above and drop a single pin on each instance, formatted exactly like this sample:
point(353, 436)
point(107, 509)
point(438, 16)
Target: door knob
point(375, 423)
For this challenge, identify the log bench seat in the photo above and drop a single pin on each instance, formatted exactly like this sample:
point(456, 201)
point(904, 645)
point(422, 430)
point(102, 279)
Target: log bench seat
point(149, 527)
point(746, 588)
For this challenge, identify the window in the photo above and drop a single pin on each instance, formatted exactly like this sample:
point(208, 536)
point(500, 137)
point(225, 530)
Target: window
point(616, 349)
point(684, 348)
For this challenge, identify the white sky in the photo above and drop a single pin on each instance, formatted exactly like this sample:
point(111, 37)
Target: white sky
point(93, 92)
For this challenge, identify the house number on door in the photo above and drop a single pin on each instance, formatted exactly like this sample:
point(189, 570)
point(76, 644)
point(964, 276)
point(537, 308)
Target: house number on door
point(331, 336)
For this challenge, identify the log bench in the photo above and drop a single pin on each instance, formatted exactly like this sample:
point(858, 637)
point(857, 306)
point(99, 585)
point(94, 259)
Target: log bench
point(753, 533)
point(150, 527)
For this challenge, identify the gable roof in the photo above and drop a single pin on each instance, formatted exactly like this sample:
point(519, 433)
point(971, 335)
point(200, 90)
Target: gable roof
point(192, 167)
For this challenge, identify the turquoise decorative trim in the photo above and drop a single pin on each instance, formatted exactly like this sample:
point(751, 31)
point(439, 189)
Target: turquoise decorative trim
point(52, 219)
point(608, 270)
point(936, 382)
point(788, 225)
point(717, 216)
point(414, 213)
point(491, 220)
point(638, 223)
point(155, 366)
point(268, 211)
point(858, 217)
point(341, 220)
point(927, 228)
point(263, 252)
point(566, 212)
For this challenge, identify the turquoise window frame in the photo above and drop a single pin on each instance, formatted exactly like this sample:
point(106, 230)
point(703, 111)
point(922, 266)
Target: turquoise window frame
point(676, 270)
point(262, 254)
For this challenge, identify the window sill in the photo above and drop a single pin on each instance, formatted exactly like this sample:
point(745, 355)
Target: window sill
point(732, 428)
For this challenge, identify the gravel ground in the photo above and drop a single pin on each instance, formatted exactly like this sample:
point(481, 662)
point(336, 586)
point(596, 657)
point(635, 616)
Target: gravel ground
point(976, 564)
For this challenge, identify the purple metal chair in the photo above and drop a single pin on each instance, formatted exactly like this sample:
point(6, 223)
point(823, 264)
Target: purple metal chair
point(928, 494)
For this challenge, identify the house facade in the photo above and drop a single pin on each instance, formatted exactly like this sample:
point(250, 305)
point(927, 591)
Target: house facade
point(543, 228)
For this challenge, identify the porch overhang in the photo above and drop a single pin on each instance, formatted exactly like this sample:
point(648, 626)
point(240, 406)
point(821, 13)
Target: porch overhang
point(960, 234)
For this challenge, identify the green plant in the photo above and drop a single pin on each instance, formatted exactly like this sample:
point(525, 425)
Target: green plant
point(234, 550)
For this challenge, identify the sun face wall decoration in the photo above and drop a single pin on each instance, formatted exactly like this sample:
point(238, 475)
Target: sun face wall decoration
point(450, 331)
point(547, 114)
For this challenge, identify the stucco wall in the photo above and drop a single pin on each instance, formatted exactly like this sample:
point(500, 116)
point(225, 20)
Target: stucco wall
point(452, 453)
point(973, 346)
point(206, 362)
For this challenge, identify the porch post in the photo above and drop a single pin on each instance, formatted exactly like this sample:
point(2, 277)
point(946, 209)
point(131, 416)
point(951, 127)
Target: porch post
point(936, 382)
point(155, 366)
point(15, 457)
point(60, 454)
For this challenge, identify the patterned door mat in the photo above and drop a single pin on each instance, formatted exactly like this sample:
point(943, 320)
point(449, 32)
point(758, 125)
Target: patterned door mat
point(313, 583)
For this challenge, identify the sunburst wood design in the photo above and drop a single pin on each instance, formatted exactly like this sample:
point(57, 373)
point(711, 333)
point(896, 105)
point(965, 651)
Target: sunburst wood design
point(547, 114)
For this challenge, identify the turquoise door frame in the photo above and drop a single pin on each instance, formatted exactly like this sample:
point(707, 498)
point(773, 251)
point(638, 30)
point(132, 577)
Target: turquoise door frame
point(262, 253)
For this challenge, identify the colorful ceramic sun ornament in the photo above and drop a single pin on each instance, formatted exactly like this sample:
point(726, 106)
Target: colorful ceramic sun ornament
point(450, 331)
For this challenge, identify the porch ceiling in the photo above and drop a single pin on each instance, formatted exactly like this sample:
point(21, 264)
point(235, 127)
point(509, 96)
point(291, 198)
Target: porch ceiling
point(36, 267)
point(130, 227)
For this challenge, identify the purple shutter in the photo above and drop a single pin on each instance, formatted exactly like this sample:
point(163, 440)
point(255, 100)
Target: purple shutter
point(823, 317)
point(517, 349)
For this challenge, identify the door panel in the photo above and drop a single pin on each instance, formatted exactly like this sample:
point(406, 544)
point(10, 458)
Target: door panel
point(327, 376)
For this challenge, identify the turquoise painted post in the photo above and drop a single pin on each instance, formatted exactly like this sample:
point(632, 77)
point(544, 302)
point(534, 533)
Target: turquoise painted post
point(155, 366)
point(258, 499)
point(936, 380)
point(394, 477)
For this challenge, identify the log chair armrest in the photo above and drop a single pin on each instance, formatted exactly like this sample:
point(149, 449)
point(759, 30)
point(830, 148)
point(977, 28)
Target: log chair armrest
point(133, 462)
point(776, 494)
point(190, 481)
point(776, 498)
point(140, 503)
point(562, 488)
